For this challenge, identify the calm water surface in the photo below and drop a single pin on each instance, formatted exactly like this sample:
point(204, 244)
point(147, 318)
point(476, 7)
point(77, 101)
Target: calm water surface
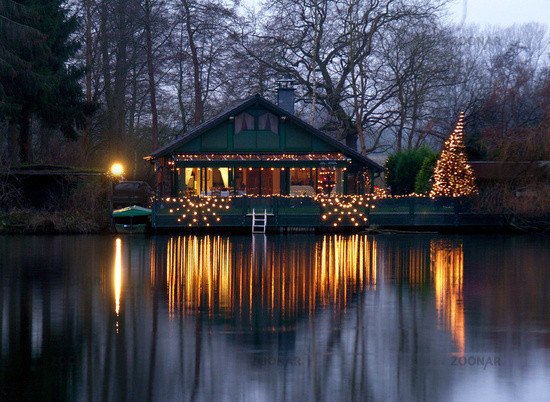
point(267, 318)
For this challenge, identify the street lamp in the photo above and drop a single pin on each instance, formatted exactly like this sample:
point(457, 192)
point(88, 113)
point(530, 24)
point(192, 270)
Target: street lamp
point(117, 170)
point(115, 174)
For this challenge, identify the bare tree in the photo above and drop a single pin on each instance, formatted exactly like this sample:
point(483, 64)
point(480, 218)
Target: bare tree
point(151, 70)
point(338, 41)
point(203, 43)
point(419, 58)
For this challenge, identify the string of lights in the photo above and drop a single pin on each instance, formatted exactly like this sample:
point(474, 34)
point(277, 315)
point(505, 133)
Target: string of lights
point(261, 157)
point(326, 181)
point(332, 210)
point(453, 174)
point(350, 210)
point(453, 177)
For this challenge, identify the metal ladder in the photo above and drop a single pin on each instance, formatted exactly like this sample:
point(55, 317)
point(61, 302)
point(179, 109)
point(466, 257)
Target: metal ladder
point(259, 221)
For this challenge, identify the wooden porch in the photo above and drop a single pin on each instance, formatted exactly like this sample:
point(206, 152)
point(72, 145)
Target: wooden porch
point(282, 211)
point(320, 212)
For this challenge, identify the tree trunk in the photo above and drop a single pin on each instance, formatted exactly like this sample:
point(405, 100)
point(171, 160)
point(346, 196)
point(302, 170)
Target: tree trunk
point(85, 138)
point(199, 107)
point(133, 102)
point(120, 77)
point(351, 140)
point(25, 138)
point(400, 129)
point(414, 123)
point(151, 70)
point(44, 150)
point(180, 85)
point(13, 134)
point(106, 72)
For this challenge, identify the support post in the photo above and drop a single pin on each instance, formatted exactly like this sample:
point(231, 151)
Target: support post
point(345, 186)
point(411, 210)
point(260, 181)
point(234, 181)
point(316, 180)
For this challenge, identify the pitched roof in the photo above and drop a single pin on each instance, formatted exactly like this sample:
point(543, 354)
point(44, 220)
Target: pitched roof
point(199, 130)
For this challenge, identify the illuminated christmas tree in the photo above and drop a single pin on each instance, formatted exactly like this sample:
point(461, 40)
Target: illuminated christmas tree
point(453, 175)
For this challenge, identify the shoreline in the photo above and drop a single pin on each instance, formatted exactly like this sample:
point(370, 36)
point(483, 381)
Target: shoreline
point(65, 221)
point(28, 221)
point(47, 230)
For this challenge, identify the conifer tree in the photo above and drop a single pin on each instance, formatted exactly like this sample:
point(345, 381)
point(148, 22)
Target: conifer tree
point(453, 174)
point(63, 106)
point(36, 77)
point(20, 45)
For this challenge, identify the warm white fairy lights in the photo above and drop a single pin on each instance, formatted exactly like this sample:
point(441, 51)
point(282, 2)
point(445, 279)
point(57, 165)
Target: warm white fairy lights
point(335, 211)
point(453, 174)
point(261, 157)
point(326, 181)
point(341, 210)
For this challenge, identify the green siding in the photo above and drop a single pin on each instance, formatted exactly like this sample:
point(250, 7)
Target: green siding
point(230, 129)
point(245, 141)
point(291, 138)
point(321, 146)
point(215, 139)
point(192, 146)
point(268, 140)
point(297, 139)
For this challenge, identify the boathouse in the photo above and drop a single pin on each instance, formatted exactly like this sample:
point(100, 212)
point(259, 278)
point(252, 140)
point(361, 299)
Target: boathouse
point(259, 159)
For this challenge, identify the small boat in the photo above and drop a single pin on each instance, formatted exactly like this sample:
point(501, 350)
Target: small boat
point(134, 219)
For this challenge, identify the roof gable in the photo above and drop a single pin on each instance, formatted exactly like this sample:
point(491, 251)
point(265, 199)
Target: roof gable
point(257, 125)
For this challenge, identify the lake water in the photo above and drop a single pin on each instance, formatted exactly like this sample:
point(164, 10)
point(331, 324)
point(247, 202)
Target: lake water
point(268, 318)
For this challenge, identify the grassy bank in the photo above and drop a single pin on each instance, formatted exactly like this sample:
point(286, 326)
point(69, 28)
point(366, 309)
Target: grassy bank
point(83, 207)
point(32, 221)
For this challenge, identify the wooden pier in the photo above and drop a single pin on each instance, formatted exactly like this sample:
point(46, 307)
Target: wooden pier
point(323, 213)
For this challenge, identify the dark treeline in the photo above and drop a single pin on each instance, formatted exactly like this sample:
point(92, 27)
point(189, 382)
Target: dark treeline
point(84, 82)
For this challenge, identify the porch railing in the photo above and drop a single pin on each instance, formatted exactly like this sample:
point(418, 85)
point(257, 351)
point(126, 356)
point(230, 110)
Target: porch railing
point(319, 211)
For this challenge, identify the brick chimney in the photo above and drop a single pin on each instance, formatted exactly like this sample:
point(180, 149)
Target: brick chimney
point(285, 94)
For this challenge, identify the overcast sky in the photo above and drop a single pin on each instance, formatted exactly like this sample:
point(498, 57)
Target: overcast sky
point(502, 12)
point(491, 12)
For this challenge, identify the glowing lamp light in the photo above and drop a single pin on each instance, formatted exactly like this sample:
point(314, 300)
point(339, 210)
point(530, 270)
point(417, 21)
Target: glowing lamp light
point(118, 274)
point(117, 169)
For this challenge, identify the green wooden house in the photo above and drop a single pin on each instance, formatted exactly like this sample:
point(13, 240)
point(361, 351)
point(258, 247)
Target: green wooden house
point(256, 153)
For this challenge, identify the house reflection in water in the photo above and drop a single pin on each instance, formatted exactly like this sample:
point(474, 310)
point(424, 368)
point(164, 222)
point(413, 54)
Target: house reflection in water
point(447, 265)
point(434, 264)
point(118, 275)
point(280, 282)
point(102, 318)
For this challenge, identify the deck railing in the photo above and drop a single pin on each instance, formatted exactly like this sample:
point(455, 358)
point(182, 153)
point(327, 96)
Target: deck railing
point(319, 211)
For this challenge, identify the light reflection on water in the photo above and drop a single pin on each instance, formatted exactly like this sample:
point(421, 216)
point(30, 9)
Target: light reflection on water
point(446, 269)
point(232, 280)
point(274, 317)
point(118, 274)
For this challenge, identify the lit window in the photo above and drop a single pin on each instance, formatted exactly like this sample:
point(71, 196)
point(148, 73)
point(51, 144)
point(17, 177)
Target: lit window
point(268, 122)
point(243, 122)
